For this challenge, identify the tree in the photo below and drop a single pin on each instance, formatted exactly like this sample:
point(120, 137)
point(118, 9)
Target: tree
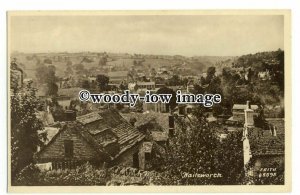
point(230, 158)
point(79, 68)
point(102, 82)
point(47, 61)
point(69, 70)
point(103, 61)
point(123, 86)
point(196, 148)
point(52, 89)
point(165, 90)
point(211, 71)
point(57, 110)
point(24, 128)
point(46, 75)
point(174, 81)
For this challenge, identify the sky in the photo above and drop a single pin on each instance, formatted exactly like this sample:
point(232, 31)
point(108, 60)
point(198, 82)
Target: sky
point(188, 35)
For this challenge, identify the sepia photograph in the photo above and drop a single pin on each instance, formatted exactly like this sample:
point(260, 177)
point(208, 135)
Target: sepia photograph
point(149, 101)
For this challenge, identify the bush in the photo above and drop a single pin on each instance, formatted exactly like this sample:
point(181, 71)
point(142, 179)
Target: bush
point(83, 175)
point(28, 176)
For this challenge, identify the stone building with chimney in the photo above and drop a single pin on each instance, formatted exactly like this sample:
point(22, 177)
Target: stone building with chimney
point(102, 138)
point(263, 149)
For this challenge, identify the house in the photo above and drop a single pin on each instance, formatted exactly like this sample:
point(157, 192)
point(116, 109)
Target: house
point(238, 111)
point(101, 138)
point(264, 75)
point(185, 109)
point(117, 77)
point(160, 125)
point(64, 101)
point(141, 86)
point(157, 107)
point(263, 149)
point(146, 85)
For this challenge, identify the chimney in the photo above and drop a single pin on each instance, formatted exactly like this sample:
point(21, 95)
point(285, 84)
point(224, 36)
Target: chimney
point(273, 131)
point(248, 105)
point(246, 147)
point(70, 115)
point(249, 114)
point(171, 125)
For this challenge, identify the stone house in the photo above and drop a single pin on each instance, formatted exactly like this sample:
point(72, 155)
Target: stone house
point(101, 138)
point(238, 111)
point(263, 148)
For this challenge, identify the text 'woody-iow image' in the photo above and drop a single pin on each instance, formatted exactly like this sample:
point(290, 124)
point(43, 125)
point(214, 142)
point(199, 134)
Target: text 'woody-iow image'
point(165, 100)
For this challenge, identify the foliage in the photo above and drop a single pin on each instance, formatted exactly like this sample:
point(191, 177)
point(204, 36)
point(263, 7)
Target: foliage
point(103, 60)
point(230, 159)
point(197, 149)
point(165, 90)
point(56, 110)
point(24, 128)
point(47, 61)
point(29, 176)
point(46, 75)
point(85, 84)
point(102, 82)
point(85, 174)
point(175, 80)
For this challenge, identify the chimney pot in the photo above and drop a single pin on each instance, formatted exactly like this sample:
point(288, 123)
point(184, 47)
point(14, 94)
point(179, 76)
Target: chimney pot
point(248, 104)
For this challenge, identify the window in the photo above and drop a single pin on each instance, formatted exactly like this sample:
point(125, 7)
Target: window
point(68, 148)
point(147, 156)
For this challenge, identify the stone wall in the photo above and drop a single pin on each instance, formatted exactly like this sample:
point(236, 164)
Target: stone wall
point(56, 151)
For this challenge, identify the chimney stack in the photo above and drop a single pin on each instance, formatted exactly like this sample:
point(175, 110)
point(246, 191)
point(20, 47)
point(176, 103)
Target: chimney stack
point(273, 131)
point(249, 114)
point(171, 125)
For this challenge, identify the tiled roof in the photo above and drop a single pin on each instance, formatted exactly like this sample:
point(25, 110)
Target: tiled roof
point(244, 106)
point(79, 128)
point(262, 142)
point(101, 130)
point(143, 118)
point(88, 118)
point(51, 132)
point(111, 120)
point(69, 92)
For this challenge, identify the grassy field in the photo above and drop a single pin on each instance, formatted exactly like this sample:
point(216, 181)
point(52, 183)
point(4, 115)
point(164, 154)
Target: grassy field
point(198, 64)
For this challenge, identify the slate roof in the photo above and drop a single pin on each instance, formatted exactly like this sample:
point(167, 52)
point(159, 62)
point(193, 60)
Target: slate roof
point(69, 92)
point(263, 143)
point(88, 118)
point(111, 121)
point(101, 129)
point(143, 118)
point(79, 128)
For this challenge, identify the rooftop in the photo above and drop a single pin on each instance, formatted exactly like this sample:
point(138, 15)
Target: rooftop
point(262, 142)
point(117, 74)
point(162, 119)
point(243, 107)
point(101, 129)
